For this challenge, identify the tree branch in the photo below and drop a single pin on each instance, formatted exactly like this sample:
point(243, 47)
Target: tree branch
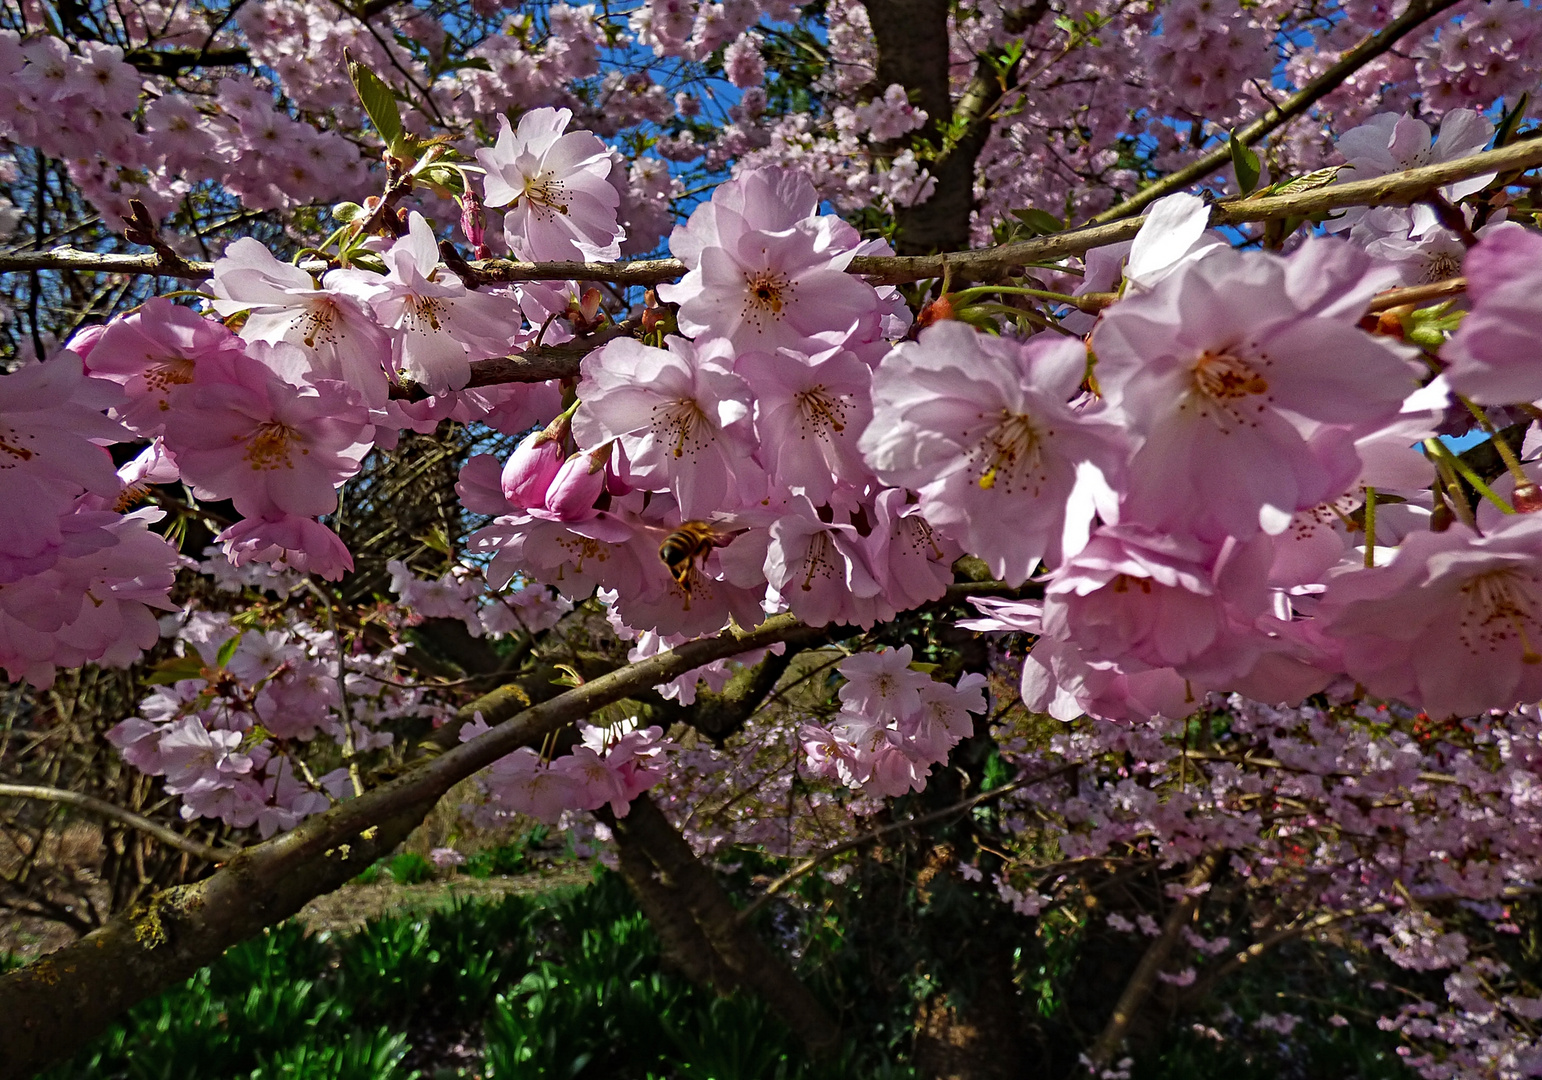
point(985, 264)
point(963, 806)
point(1139, 988)
point(1279, 115)
point(752, 961)
point(173, 62)
point(169, 837)
point(54, 1004)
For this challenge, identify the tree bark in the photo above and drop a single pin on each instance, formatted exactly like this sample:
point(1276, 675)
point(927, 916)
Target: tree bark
point(913, 51)
point(692, 887)
point(1138, 990)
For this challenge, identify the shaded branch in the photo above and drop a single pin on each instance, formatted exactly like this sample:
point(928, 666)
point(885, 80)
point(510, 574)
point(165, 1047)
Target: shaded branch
point(963, 806)
point(173, 62)
point(58, 1002)
point(753, 963)
point(169, 837)
point(1279, 115)
point(1139, 988)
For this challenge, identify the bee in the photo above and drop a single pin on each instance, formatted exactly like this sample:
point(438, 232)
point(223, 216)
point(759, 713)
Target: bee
point(688, 546)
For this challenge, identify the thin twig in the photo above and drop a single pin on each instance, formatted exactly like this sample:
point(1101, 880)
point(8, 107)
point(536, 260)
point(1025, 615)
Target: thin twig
point(816, 861)
point(166, 836)
point(1279, 115)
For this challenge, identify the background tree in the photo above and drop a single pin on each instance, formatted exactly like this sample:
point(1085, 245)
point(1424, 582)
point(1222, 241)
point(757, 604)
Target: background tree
point(445, 496)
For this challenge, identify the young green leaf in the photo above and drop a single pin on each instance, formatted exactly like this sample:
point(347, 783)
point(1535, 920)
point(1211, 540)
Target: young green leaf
point(1245, 162)
point(1042, 222)
point(1505, 132)
point(379, 102)
point(227, 650)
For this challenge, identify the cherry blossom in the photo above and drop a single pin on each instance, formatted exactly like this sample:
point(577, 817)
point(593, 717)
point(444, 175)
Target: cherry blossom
point(562, 203)
point(763, 272)
point(1493, 355)
point(680, 415)
point(440, 325)
point(1474, 602)
point(1241, 371)
point(981, 428)
point(284, 303)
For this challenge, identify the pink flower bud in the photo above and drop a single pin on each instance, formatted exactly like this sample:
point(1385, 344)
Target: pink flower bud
point(531, 469)
point(578, 483)
point(85, 340)
point(471, 221)
point(616, 482)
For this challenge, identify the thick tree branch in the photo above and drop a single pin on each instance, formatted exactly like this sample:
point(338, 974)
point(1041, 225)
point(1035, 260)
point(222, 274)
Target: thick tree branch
point(1139, 988)
point(169, 837)
point(57, 1002)
point(912, 40)
point(173, 62)
point(1418, 12)
point(985, 264)
point(753, 963)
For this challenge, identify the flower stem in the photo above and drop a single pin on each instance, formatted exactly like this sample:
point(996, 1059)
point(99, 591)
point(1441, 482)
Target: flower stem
point(1370, 527)
point(1439, 450)
point(1501, 447)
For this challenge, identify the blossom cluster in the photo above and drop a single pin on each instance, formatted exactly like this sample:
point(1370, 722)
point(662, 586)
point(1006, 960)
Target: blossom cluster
point(609, 766)
point(275, 124)
point(893, 725)
point(1228, 482)
point(231, 728)
point(1396, 821)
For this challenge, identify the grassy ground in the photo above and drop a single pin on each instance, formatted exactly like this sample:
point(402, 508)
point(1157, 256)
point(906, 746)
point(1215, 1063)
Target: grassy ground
point(349, 908)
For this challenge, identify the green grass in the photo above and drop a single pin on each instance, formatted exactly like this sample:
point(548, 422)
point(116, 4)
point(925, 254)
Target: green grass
point(567, 985)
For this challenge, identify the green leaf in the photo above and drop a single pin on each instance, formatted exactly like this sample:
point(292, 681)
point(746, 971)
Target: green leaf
point(1042, 222)
point(1245, 162)
point(379, 102)
point(1309, 182)
point(346, 213)
point(1429, 327)
point(1505, 132)
point(176, 669)
point(227, 650)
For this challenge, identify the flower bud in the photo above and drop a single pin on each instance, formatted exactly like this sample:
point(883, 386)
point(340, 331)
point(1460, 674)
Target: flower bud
point(1527, 498)
point(584, 313)
point(935, 311)
point(578, 483)
point(471, 221)
point(530, 470)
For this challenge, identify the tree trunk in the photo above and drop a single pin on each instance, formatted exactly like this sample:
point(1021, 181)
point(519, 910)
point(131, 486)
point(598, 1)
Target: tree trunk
point(680, 882)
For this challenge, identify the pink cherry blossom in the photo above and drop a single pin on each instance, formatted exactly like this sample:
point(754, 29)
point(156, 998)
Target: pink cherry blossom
point(52, 436)
point(533, 466)
point(273, 448)
point(1494, 356)
point(299, 543)
point(1158, 600)
point(1390, 142)
point(1240, 371)
point(761, 288)
point(284, 303)
point(562, 203)
point(151, 353)
point(809, 412)
point(681, 417)
point(981, 428)
point(1452, 625)
point(881, 684)
point(440, 326)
